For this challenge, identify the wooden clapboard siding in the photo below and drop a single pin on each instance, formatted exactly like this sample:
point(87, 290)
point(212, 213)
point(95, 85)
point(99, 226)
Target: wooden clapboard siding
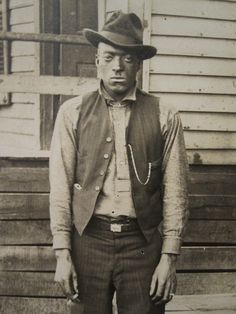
point(18, 110)
point(208, 253)
point(14, 4)
point(202, 9)
point(192, 84)
point(10, 305)
point(42, 258)
point(193, 46)
point(18, 122)
point(192, 66)
point(195, 70)
point(200, 103)
point(1, 43)
point(186, 26)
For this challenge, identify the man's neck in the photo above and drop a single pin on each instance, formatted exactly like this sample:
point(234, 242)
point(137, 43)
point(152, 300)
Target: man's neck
point(130, 95)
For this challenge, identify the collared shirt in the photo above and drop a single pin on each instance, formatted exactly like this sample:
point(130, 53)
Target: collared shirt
point(174, 169)
point(115, 198)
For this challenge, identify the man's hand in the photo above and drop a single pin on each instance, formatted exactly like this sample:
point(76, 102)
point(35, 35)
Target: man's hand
point(65, 273)
point(164, 279)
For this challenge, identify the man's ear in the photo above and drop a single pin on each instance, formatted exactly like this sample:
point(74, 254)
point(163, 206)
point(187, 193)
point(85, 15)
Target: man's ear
point(96, 60)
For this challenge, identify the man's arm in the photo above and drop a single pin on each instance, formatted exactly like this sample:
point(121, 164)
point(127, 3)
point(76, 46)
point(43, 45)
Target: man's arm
point(62, 170)
point(175, 206)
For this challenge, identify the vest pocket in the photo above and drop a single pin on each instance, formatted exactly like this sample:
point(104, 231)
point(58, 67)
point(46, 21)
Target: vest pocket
point(155, 164)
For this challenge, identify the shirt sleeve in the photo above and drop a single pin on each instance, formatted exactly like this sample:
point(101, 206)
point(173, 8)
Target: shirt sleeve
point(61, 174)
point(174, 185)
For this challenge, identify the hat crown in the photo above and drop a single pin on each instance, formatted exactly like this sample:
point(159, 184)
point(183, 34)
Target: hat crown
point(128, 25)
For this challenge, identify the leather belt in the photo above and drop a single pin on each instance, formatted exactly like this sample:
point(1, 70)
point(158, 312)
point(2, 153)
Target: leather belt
point(113, 225)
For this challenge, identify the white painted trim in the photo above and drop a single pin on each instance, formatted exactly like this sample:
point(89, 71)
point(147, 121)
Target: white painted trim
point(146, 40)
point(37, 8)
point(101, 13)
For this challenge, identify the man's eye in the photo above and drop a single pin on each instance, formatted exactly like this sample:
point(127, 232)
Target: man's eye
point(107, 58)
point(128, 59)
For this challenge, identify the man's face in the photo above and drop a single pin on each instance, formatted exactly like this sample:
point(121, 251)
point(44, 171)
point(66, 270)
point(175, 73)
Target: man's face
point(117, 69)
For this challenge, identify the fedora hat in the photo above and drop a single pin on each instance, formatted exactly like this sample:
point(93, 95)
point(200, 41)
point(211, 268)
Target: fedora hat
point(123, 31)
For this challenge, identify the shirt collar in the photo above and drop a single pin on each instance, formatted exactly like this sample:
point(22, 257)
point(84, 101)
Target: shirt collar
point(131, 96)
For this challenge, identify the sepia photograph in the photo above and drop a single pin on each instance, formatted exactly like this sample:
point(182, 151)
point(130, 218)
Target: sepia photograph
point(117, 156)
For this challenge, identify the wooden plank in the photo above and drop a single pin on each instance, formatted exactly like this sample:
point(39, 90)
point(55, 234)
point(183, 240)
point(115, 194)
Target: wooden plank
point(201, 47)
point(196, 102)
point(24, 180)
point(38, 258)
point(192, 84)
point(192, 66)
point(25, 98)
point(38, 232)
point(22, 151)
point(203, 231)
point(20, 48)
point(209, 140)
point(29, 284)
point(25, 232)
point(212, 207)
point(207, 258)
point(19, 3)
point(47, 84)
point(9, 141)
point(18, 110)
point(23, 64)
point(18, 126)
point(22, 15)
point(213, 183)
point(35, 206)
point(27, 258)
point(206, 283)
point(179, 305)
point(41, 284)
point(209, 302)
point(211, 157)
point(182, 26)
point(10, 305)
point(24, 206)
point(24, 28)
point(191, 8)
point(197, 121)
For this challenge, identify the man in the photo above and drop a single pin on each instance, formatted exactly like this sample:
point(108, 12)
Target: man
point(118, 173)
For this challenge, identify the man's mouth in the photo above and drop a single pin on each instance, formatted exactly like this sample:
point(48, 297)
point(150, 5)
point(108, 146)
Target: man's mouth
point(117, 79)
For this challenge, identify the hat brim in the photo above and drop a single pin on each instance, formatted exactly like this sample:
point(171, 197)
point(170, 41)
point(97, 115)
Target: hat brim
point(141, 51)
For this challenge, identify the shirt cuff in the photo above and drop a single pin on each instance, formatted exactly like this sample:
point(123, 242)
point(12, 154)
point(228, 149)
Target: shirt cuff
point(62, 241)
point(171, 245)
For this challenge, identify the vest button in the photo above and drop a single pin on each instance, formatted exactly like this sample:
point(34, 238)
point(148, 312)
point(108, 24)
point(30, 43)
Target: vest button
point(108, 139)
point(101, 173)
point(97, 188)
point(106, 156)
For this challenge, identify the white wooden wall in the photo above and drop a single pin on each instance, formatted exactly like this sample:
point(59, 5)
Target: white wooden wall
point(19, 121)
point(195, 70)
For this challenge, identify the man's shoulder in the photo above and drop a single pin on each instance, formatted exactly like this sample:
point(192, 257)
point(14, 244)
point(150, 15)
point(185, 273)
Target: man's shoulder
point(74, 104)
point(164, 105)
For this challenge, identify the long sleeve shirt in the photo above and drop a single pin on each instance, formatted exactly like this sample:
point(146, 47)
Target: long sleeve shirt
point(62, 169)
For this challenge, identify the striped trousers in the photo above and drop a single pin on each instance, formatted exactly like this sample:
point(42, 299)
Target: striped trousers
point(121, 262)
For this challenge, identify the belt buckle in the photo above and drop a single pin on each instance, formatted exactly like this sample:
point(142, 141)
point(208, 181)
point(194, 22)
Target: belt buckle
point(116, 228)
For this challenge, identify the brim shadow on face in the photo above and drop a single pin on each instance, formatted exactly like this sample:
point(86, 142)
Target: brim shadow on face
point(143, 52)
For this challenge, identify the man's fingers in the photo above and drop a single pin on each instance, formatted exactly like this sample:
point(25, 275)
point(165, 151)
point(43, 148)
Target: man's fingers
point(153, 286)
point(67, 288)
point(159, 292)
point(75, 282)
point(166, 297)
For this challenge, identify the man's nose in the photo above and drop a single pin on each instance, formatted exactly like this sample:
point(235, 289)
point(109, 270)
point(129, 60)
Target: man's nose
point(117, 64)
